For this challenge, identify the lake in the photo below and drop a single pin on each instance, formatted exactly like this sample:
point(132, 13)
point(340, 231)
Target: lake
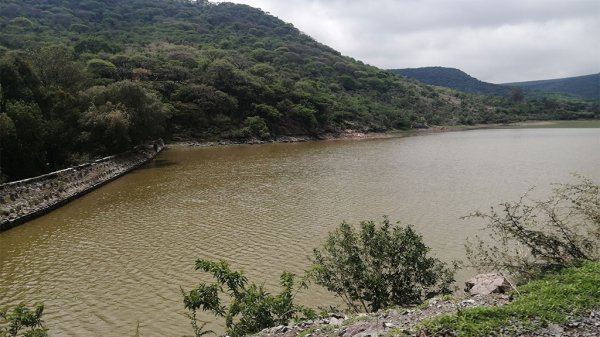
point(120, 254)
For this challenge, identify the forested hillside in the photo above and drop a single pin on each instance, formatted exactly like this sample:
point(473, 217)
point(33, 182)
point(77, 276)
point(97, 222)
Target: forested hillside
point(453, 78)
point(587, 86)
point(80, 79)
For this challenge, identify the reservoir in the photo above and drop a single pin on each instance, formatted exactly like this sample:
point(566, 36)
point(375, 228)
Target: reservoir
point(119, 255)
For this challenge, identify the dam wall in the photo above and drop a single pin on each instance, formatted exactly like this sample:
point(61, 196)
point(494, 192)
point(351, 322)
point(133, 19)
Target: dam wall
point(24, 200)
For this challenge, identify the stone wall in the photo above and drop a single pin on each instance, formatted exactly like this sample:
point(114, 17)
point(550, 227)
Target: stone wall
point(21, 201)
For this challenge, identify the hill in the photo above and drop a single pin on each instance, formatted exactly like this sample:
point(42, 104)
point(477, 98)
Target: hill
point(82, 79)
point(454, 79)
point(587, 86)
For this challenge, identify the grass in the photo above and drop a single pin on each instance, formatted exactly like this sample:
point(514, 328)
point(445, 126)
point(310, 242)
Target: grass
point(571, 291)
point(355, 319)
point(395, 332)
point(316, 329)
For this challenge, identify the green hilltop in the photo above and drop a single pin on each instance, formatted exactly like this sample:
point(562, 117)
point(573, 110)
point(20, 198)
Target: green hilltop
point(80, 79)
point(579, 88)
point(587, 86)
point(453, 78)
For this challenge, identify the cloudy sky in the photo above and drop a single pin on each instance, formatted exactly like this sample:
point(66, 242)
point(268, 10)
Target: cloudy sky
point(494, 40)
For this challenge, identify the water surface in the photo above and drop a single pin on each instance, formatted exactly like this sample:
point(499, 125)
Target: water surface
point(120, 254)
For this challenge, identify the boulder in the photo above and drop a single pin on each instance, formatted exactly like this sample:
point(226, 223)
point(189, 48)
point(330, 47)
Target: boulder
point(485, 284)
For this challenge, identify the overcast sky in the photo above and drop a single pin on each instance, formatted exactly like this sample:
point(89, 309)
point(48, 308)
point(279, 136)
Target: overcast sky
point(494, 40)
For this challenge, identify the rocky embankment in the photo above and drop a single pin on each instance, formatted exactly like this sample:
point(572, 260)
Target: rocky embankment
point(391, 322)
point(23, 200)
point(483, 290)
point(405, 322)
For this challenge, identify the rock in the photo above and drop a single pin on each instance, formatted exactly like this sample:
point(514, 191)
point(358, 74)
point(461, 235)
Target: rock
point(388, 325)
point(555, 330)
point(467, 302)
point(280, 329)
point(335, 321)
point(306, 324)
point(485, 284)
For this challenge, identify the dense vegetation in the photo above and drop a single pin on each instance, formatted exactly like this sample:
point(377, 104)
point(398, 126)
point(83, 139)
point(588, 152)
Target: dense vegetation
point(454, 79)
point(587, 86)
point(553, 99)
point(375, 266)
point(81, 79)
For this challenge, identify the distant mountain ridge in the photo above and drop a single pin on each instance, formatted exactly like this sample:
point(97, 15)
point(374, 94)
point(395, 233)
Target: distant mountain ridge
point(587, 86)
point(454, 79)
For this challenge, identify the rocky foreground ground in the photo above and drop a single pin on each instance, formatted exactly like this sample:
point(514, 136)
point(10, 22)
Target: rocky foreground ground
point(404, 322)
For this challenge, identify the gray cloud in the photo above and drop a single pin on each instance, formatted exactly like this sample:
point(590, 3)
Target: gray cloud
point(496, 41)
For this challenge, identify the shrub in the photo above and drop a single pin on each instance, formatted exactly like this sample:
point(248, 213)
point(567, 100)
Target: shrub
point(23, 320)
point(257, 127)
point(530, 237)
point(379, 265)
point(101, 68)
point(251, 308)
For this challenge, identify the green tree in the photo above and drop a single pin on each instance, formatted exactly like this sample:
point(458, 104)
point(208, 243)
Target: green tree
point(200, 104)
point(145, 111)
point(7, 131)
point(56, 66)
point(22, 321)
point(24, 153)
point(222, 74)
point(376, 266)
point(61, 114)
point(108, 128)
point(94, 45)
point(251, 308)
point(22, 22)
point(17, 79)
point(267, 111)
point(530, 237)
point(257, 127)
point(101, 68)
point(516, 95)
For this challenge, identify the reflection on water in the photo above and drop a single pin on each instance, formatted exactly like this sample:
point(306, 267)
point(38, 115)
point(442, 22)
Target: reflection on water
point(120, 254)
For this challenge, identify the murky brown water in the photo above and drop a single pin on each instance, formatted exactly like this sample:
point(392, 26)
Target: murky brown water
point(120, 254)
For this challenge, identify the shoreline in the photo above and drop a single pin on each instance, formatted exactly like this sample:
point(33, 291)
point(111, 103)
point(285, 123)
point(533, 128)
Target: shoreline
point(358, 135)
point(25, 200)
point(343, 135)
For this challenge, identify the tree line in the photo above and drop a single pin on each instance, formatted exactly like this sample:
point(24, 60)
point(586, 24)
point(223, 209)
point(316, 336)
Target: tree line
point(80, 79)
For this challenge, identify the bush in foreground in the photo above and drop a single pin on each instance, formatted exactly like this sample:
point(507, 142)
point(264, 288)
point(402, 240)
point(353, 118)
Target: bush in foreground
point(376, 266)
point(530, 237)
point(22, 321)
point(250, 307)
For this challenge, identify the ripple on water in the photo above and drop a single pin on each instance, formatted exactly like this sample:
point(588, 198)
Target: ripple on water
point(120, 254)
